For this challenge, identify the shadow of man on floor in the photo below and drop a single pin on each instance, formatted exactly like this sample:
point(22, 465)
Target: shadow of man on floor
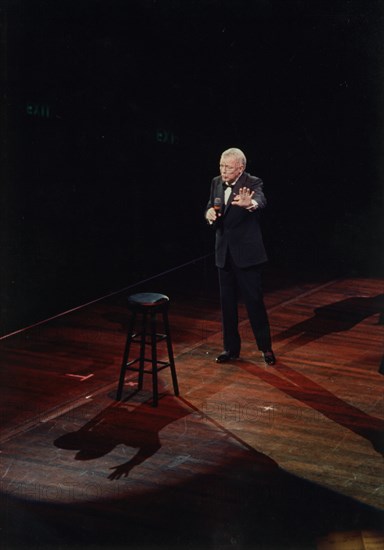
point(336, 317)
point(313, 395)
point(137, 426)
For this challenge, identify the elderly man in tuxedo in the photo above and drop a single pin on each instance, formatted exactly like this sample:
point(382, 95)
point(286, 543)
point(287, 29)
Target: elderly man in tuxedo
point(233, 208)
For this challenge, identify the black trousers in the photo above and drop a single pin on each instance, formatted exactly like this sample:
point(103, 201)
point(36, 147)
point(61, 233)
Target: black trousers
point(245, 283)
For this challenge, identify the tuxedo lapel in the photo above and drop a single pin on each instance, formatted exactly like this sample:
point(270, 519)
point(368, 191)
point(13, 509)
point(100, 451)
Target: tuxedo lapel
point(227, 206)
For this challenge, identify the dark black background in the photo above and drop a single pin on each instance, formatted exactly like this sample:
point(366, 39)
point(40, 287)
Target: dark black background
point(97, 196)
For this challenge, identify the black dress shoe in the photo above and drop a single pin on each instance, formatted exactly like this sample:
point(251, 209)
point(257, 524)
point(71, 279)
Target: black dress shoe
point(226, 356)
point(269, 357)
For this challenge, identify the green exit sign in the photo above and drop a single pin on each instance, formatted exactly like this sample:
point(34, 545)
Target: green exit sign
point(166, 136)
point(40, 110)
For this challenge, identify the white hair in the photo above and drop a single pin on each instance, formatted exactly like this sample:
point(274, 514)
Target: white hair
point(237, 154)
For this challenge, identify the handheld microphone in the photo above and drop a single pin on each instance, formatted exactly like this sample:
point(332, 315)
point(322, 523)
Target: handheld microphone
point(217, 205)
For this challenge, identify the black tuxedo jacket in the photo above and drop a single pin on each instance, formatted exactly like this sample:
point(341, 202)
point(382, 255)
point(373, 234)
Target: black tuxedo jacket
point(237, 229)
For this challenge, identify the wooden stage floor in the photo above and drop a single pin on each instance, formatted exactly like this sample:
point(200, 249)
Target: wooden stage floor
point(249, 456)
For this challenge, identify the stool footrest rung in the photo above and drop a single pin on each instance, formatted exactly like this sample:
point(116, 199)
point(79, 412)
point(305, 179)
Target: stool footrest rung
point(163, 365)
point(137, 338)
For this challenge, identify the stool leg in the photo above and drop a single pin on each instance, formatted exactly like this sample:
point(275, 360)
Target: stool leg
point(142, 350)
point(170, 353)
point(125, 356)
point(154, 359)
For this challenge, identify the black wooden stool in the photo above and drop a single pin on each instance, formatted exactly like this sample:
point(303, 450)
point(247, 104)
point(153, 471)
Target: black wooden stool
point(148, 304)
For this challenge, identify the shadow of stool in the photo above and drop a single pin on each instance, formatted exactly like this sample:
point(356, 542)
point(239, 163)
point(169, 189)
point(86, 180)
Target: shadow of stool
point(146, 307)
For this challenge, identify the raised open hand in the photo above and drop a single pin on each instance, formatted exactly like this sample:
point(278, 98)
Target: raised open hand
point(243, 198)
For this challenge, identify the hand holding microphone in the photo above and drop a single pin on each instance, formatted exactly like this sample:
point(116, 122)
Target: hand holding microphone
point(214, 212)
point(217, 206)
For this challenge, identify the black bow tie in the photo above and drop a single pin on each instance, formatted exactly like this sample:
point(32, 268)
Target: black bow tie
point(227, 185)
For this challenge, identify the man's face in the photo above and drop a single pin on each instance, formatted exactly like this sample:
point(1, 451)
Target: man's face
point(230, 168)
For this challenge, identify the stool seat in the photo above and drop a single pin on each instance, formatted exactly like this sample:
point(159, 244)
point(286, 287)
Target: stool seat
point(147, 299)
point(148, 305)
